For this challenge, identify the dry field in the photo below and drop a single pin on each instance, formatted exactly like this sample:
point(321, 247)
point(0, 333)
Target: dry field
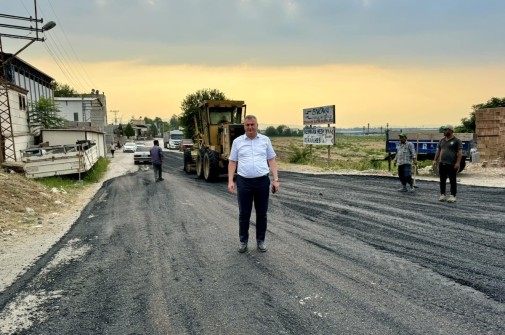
point(349, 152)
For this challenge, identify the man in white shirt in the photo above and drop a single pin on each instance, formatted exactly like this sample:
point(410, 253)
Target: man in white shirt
point(255, 157)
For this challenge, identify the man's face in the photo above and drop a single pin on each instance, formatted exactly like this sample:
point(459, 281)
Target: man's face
point(403, 139)
point(251, 127)
point(447, 132)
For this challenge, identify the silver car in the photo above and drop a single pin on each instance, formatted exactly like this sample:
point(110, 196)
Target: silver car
point(129, 147)
point(142, 155)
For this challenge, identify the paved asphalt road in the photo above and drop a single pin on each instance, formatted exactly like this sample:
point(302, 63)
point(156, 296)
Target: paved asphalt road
point(346, 255)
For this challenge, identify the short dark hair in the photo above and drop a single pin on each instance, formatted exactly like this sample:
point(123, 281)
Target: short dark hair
point(156, 142)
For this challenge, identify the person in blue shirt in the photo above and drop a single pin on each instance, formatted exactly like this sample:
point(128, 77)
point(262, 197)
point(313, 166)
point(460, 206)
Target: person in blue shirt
point(157, 160)
point(253, 157)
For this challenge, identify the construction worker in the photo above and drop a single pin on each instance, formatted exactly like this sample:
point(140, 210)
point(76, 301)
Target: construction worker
point(405, 158)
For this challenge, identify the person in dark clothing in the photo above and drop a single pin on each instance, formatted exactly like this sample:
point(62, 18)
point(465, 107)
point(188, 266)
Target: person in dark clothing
point(449, 152)
point(157, 160)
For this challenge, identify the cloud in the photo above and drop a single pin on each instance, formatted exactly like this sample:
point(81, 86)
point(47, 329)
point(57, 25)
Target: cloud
point(282, 32)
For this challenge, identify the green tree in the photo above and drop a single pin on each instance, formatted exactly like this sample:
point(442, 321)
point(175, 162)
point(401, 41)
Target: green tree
point(46, 113)
point(119, 130)
point(280, 129)
point(128, 130)
point(64, 90)
point(271, 131)
point(189, 107)
point(148, 120)
point(468, 124)
point(174, 122)
point(153, 130)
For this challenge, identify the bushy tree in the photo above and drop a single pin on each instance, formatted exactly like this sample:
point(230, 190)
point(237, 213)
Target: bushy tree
point(190, 105)
point(128, 130)
point(153, 130)
point(174, 122)
point(468, 124)
point(63, 90)
point(271, 131)
point(280, 129)
point(46, 113)
point(119, 130)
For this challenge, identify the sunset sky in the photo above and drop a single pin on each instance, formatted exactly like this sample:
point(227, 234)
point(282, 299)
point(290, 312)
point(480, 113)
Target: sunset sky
point(398, 62)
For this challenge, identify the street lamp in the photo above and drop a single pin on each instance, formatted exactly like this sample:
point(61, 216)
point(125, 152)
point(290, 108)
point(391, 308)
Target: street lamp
point(7, 141)
point(49, 25)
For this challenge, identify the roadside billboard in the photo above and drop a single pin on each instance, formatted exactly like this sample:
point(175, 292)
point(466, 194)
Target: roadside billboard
point(319, 115)
point(319, 135)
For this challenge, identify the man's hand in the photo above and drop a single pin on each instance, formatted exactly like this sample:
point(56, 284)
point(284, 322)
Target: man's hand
point(456, 166)
point(231, 187)
point(275, 186)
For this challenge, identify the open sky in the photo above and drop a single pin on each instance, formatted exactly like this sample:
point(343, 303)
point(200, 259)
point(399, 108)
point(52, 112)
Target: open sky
point(397, 62)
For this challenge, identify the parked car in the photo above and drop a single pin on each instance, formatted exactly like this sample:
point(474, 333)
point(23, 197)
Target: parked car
point(185, 143)
point(129, 147)
point(140, 144)
point(142, 155)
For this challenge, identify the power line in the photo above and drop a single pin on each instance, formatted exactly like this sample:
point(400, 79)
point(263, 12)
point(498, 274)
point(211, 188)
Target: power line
point(77, 76)
point(61, 57)
point(61, 64)
point(72, 48)
point(53, 45)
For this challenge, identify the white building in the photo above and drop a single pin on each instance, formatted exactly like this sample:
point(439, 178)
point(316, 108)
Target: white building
point(22, 85)
point(37, 83)
point(85, 108)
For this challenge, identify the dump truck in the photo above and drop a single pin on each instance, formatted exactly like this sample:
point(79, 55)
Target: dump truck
point(425, 143)
point(217, 125)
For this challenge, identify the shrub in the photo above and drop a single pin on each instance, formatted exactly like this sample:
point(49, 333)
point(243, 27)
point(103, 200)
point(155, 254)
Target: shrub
point(298, 154)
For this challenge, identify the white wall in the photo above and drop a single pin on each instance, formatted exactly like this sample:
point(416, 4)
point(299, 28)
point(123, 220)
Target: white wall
point(19, 118)
point(69, 106)
point(67, 137)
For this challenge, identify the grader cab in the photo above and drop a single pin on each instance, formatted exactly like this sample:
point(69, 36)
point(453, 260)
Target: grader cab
point(219, 122)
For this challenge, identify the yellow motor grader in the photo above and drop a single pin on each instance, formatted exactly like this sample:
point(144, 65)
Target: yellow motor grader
point(218, 123)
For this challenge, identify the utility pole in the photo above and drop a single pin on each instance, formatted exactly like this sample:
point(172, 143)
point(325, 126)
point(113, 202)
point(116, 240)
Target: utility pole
point(115, 116)
point(7, 140)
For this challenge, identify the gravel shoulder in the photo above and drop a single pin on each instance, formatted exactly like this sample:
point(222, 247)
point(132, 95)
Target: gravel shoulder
point(19, 249)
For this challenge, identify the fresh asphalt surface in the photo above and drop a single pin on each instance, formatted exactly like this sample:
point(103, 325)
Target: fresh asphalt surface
point(346, 255)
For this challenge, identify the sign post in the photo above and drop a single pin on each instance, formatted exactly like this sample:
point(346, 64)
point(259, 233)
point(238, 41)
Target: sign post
point(319, 135)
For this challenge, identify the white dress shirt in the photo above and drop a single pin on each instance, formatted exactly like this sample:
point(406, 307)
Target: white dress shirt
point(252, 155)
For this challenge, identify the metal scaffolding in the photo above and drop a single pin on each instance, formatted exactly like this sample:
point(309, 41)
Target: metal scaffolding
point(6, 132)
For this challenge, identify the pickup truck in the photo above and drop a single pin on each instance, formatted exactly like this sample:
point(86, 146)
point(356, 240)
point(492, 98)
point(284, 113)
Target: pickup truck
point(185, 143)
point(425, 143)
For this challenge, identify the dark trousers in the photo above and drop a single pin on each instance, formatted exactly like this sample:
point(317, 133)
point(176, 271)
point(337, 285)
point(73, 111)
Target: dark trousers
point(157, 171)
point(405, 174)
point(251, 190)
point(447, 170)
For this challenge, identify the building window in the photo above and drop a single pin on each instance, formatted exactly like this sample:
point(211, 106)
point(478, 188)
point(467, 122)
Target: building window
point(76, 116)
point(22, 102)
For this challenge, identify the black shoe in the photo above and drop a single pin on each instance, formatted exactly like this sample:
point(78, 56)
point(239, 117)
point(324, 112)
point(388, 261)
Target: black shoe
point(243, 247)
point(261, 246)
point(160, 179)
